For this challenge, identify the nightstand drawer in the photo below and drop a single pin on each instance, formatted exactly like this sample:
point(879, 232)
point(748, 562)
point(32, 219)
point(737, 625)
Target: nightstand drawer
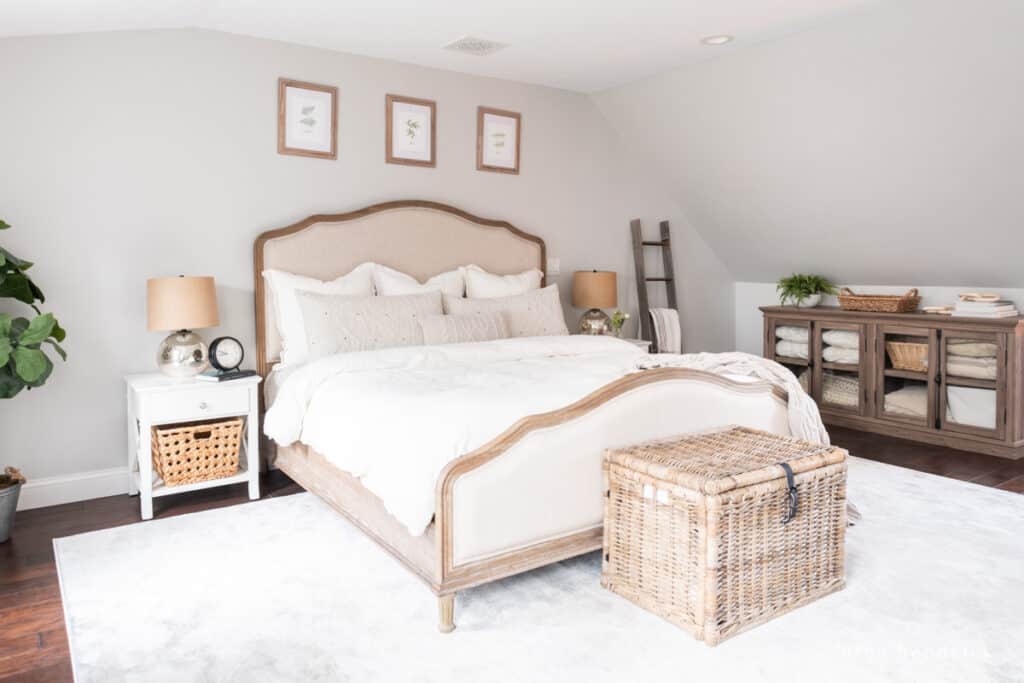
point(195, 404)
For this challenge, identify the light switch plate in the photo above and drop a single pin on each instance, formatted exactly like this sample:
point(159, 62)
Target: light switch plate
point(554, 265)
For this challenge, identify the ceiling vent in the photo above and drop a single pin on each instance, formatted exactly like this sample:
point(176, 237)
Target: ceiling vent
point(478, 47)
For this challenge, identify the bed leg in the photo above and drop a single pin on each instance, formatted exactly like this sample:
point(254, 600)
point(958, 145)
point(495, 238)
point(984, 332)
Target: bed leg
point(446, 612)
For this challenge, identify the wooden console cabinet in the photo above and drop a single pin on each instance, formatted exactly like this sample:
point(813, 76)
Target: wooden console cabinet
point(950, 406)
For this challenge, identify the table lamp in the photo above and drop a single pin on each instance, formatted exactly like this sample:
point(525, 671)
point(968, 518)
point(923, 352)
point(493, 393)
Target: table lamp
point(181, 304)
point(594, 289)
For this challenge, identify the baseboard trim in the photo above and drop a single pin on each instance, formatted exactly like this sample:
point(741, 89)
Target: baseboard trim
point(71, 488)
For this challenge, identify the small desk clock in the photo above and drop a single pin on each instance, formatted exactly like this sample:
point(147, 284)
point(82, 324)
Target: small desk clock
point(226, 354)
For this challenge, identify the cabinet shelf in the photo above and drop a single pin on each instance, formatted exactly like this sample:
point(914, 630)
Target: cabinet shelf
point(906, 374)
point(952, 381)
point(785, 360)
point(844, 367)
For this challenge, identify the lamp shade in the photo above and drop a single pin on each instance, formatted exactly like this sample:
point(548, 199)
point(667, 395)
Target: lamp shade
point(181, 303)
point(594, 289)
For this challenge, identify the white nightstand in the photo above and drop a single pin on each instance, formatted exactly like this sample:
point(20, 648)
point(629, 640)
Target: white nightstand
point(642, 343)
point(155, 399)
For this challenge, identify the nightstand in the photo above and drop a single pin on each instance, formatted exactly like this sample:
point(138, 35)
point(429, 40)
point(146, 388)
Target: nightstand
point(154, 399)
point(642, 343)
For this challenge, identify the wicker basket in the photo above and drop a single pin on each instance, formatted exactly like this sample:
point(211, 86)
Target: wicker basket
point(879, 303)
point(696, 529)
point(197, 451)
point(908, 356)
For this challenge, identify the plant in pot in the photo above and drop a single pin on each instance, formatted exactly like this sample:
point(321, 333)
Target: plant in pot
point(23, 363)
point(803, 290)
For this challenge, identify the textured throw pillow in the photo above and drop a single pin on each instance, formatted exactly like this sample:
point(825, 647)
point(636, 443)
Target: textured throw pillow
point(391, 282)
point(337, 324)
point(534, 314)
point(457, 329)
point(483, 285)
point(283, 289)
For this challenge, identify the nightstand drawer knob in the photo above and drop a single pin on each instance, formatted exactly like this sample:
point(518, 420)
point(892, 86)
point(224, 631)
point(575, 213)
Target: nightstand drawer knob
point(203, 405)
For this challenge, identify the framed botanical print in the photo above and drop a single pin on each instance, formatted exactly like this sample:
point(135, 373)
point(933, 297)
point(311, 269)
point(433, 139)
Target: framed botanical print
point(307, 119)
point(497, 140)
point(411, 136)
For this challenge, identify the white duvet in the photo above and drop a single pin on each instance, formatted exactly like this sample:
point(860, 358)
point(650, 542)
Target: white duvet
point(395, 417)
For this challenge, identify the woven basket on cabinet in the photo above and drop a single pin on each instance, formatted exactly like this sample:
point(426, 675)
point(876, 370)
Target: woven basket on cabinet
point(197, 451)
point(879, 303)
point(694, 528)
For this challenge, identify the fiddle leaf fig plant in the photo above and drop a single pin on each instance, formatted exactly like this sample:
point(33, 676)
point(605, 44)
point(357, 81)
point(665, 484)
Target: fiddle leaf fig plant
point(23, 363)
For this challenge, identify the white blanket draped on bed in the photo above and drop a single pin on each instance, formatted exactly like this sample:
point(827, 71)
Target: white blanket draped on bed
point(396, 417)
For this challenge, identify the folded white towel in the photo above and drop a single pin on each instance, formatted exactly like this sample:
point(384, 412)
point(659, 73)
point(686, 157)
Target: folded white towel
point(837, 354)
point(668, 335)
point(793, 333)
point(791, 349)
point(846, 339)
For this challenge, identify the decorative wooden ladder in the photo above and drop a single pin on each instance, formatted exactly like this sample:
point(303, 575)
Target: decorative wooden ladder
point(665, 244)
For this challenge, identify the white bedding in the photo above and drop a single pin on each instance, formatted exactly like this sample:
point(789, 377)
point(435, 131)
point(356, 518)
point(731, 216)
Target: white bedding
point(442, 402)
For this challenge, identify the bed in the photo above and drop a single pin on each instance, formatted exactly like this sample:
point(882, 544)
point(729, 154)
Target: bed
point(531, 493)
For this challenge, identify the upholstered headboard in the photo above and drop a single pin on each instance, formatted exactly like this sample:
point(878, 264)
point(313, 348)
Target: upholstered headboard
point(420, 238)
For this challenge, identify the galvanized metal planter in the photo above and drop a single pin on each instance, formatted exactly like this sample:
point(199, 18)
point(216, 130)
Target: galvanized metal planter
point(8, 504)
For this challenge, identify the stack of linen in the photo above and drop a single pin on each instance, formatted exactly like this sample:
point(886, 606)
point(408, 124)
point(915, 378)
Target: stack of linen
point(974, 359)
point(841, 346)
point(792, 341)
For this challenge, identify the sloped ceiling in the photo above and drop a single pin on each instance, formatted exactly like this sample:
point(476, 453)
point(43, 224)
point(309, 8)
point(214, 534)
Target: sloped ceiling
point(886, 147)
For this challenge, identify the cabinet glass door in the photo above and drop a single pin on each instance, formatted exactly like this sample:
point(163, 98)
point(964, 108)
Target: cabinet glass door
point(839, 362)
point(972, 383)
point(790, 342)
point(905, 361)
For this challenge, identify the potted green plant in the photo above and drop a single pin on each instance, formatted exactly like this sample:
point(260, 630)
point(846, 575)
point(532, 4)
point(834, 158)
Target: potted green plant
point(618, 320)
point(803, 290)
point(23, 363)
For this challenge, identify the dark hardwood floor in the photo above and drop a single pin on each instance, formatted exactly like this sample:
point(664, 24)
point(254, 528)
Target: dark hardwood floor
point(33, 643)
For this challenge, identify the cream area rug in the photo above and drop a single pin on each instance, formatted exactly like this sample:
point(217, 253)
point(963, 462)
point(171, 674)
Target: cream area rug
point(286, 590)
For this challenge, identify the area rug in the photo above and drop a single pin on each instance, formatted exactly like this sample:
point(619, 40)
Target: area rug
point(286, 590)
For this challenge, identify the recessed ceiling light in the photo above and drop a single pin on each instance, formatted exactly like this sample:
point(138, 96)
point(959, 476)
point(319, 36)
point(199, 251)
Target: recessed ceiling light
point(717, 40)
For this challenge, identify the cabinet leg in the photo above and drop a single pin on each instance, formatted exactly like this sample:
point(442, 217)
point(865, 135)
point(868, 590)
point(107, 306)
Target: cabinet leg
point(446, 612)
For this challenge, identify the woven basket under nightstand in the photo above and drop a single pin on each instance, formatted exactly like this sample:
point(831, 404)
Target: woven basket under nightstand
point(694, 528)
point(197, 451)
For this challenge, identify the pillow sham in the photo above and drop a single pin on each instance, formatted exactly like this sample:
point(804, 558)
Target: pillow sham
point(483, 285)
point(284, 288)
point(391, 282)
point(533, 314)
point(336, 324)
point(457, 329)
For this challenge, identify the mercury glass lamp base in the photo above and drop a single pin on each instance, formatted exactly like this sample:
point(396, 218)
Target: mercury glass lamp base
point(595, 321)
point(182, 354)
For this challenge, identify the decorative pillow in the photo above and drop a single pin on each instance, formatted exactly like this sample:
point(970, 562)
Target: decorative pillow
point(336, 324)
point(283, 289)
point(391, 282)
point(792, 333)
point(483, 285)
point(456, 329)
point(845, 339)
point(533, 314)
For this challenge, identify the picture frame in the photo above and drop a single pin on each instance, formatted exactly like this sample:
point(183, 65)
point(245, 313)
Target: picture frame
point(410, 125)
point(307, 119)
point(498, 140)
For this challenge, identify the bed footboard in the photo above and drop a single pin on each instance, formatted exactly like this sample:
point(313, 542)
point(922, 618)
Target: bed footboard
point(533, 495)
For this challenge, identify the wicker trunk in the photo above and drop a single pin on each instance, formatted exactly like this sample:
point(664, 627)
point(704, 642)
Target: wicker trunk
point(701, 529)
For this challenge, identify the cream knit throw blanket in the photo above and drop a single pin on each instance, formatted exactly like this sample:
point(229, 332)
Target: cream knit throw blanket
point(804, 419)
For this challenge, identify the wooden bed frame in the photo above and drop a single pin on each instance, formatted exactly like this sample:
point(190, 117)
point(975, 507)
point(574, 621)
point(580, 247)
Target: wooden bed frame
point(432, 556)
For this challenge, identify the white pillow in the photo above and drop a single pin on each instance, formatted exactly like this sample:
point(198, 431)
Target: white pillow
point(838, 354)
point(283, 288)
point(391, 282)
point(483, 285)
point(846, 339)
point(336, 324)
point(533, 314)
point(457, 329)
point(972, 349)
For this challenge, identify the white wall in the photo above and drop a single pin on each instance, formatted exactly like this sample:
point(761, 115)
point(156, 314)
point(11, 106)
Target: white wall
point(135, 154)
point(751, 295)
point(883, 146)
